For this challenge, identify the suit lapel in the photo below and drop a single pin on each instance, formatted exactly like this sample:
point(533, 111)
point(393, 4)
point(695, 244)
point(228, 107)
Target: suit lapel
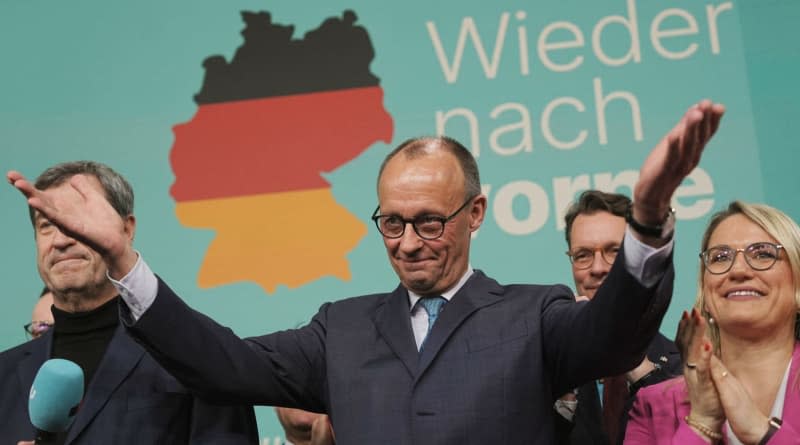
point(393, 322)
point(791, 402)
point(38, 353)
point(118, 362)
point(478, 292)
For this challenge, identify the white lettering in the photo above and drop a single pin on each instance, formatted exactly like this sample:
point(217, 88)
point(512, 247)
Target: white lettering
point(468, 28)
point(472, 121)
point(543, 47)
point(713, 31)
point(600, 108)
point(547, 130)
point(564, 190)
point(503, 207)
point(523, 126)
point(699, 184)
point(631, 25)
point(656, 33)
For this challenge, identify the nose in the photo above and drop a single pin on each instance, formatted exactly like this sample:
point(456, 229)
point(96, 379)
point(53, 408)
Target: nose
point(599, 265)
point(61, 240)
point(410, 241)
point(739, 267)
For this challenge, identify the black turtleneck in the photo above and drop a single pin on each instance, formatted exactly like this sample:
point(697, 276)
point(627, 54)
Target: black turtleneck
point(83, 337)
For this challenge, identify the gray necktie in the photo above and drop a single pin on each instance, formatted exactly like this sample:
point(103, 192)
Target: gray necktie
point(433, 306)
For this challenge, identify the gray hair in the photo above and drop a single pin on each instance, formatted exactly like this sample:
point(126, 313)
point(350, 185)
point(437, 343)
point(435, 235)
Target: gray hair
point(117, 190)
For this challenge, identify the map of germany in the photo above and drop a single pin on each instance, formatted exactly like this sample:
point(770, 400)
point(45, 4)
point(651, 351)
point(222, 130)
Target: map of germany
point(248, 164)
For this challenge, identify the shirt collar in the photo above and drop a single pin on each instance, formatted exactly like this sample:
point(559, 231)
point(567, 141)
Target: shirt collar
point(447, 295)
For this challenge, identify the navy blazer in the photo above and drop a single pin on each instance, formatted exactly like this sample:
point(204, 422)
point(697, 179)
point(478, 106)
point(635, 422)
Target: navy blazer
point(587, 425)
point(130, 400)
point(493, 364)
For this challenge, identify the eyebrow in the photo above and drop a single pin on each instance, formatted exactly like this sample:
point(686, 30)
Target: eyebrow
point(414, 216)
point(610, 244)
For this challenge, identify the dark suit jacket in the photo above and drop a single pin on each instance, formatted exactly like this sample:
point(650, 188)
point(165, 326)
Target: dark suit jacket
point(130, 400)
point(495, 361)
point(587, 426)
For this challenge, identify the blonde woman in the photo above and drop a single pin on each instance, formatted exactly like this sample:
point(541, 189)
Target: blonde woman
point(740, 382)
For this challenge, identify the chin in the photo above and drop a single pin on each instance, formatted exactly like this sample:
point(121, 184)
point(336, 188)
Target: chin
point(419, 286)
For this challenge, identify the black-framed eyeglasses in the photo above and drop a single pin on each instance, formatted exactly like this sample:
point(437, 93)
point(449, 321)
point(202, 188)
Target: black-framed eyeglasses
point(427, 227)
point(36, 328)
point(584, 258)
point(759, 256)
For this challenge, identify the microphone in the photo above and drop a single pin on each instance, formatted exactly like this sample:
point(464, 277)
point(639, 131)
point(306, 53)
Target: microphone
point(55, 395)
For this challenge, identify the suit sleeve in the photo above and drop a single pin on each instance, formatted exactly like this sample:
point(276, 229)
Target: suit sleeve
point(215, 424)
point(608, 335)
point(285, 368)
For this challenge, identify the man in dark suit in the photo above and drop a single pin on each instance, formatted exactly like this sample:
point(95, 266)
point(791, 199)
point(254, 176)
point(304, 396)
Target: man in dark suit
point(128, 397)
point(396, 368)
point(594, 229)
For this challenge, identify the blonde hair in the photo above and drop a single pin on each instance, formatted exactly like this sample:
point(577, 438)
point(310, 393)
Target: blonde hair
point(778, 225)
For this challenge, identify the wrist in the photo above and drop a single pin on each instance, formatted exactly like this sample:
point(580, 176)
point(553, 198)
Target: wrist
point(710, 429)
point(639, 381)
point(653, 223)
point(119, 266)
point(649, 213)
point(639, 372)
point(772, 427)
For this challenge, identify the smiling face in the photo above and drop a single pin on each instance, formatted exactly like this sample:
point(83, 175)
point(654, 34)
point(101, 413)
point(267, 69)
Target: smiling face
point(747, 303)
point(596, 232)
point(429, 184)
point(70, 269)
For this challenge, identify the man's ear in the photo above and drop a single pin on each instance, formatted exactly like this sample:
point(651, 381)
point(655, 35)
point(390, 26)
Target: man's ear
point(477, 212)
point(129, 226)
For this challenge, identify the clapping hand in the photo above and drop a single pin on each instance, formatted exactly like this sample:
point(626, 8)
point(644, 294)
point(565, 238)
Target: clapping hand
point(696, 352)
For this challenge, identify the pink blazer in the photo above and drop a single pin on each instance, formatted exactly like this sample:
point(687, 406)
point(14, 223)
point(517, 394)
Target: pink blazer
point(657, 414)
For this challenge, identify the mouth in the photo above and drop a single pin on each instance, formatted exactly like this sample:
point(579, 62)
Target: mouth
point(65, 259)
point(593, 286)
point(743, 294)
point(414, 263)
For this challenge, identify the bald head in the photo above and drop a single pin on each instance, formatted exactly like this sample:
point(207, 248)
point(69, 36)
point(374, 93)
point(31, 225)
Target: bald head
point(420, 147)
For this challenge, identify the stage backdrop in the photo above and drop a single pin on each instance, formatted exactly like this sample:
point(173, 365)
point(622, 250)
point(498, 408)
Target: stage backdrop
point(252, 131)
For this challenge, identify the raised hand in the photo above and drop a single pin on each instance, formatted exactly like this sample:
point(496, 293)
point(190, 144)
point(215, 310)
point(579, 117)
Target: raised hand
point(675, 156)
point(696, 351)
point(80, 210)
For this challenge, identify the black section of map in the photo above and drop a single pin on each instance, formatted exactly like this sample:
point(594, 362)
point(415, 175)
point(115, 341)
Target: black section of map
point(334, 56)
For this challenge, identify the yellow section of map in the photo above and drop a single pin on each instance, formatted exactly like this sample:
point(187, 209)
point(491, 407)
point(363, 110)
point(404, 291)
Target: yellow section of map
point(289, 238)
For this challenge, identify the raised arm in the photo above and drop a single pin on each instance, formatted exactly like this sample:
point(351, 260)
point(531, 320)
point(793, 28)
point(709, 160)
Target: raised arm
point(82, 212)
point(673, 158)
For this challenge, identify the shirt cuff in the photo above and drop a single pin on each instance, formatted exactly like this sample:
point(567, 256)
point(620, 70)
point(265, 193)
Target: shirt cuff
point(138, 288)
point(566, 408)
point(646, 263)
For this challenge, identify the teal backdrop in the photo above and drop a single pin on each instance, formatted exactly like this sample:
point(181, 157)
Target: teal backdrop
point(552, 97)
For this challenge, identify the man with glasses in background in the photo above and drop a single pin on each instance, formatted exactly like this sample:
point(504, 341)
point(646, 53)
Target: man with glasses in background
point(450, 356)
point(41, 317)
point(594, 229)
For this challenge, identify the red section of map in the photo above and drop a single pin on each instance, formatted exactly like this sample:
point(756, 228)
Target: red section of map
point(275, 144)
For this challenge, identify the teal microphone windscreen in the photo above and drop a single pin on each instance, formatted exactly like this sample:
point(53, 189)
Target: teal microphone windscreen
point(55, 395)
